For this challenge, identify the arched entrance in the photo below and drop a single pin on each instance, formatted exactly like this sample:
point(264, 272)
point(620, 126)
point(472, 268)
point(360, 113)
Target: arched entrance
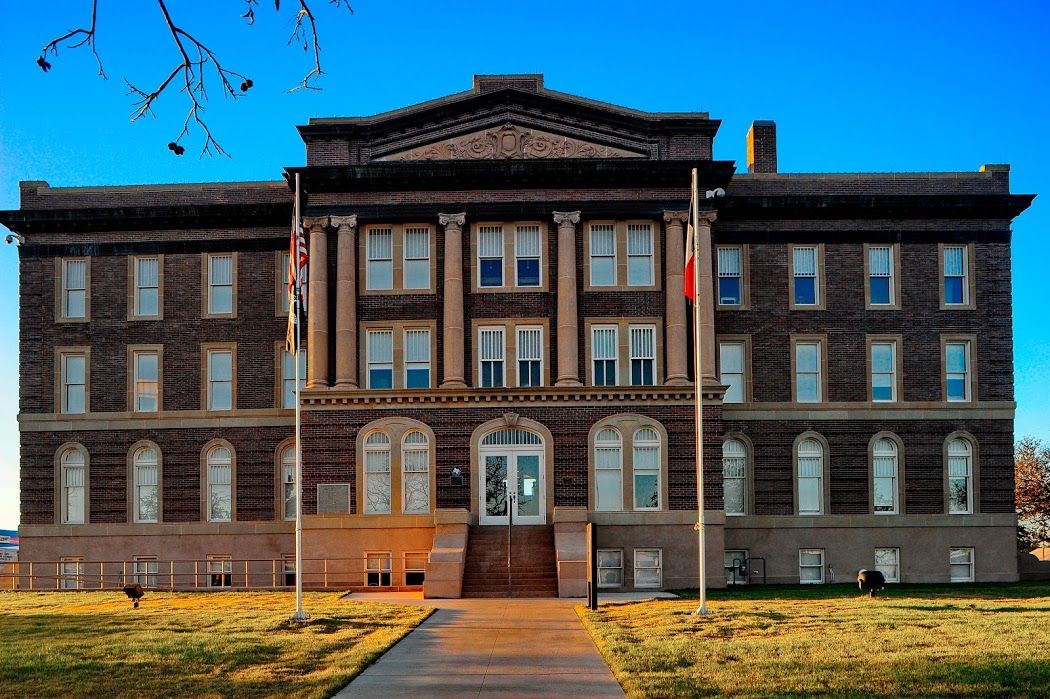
point(512, 484)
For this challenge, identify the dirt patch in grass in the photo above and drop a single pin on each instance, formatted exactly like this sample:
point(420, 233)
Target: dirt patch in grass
point(190, 644)
point(954, 641)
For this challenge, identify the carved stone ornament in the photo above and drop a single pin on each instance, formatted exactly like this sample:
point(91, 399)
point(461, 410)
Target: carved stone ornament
point(453, 220)
point(510, 142)
point(708, 217)
point(510, 419)
point(312, 222)
point(566, 217)
point(341, 222)
point(681, 217)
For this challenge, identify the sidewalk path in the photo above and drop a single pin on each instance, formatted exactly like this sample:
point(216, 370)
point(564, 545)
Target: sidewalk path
point(490, 648)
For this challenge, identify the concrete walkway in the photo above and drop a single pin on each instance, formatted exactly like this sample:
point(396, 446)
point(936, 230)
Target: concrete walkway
point(489, 648)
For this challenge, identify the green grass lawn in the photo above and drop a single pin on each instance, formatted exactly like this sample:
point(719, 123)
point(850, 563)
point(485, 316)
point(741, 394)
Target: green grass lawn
point(93, 644)
point(912, 640)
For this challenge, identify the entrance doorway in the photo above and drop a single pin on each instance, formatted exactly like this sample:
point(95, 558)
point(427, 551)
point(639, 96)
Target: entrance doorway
point(512, 481)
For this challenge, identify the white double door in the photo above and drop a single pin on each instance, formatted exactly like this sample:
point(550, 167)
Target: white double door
point(512, 481)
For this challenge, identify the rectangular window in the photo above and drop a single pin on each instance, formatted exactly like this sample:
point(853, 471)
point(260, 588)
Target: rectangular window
point(807, 372)
point(288, 570)
point(74, 383)
point(804, 269)
point(643, 355)
point(147, 485)
point(604, 350)
point(646, 471)
point(220, 488)
point(734, 477)
point(957, 371)
point(70, 577)
point(527, 251)
point(380, 359)
point(377, 569)
point(417, 358)
point(377, 475)
point(735, 563)
point(220, 284)
point(648, 568)
point(417, 258)
point(610, 568)
point(147, 287)
point(888, 562)
point(415, 479)
point(145, 570)
point(884, 372)
point(880, 275)
point(960, 562)
point(639, 254)
point(288, 482)
point(956, 273)
point(220, 380)
point(490, 256)
point(731, 370)
point(811, 566)
point(147, 382)
point(603, 255)
point(730, 276)
point(415, 567)
point(74, 289)
point(220, 571)
point(379, 263)
point(73, 482)
point(884, 478)
point(960, 477)
point(491, 353)
point(530, 356)
point(288, 377)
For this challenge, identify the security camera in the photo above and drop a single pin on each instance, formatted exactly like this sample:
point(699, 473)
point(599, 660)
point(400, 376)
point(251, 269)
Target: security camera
point(712, 193)
point(15, 238)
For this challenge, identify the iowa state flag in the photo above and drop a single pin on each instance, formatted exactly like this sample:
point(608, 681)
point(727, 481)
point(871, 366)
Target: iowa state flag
point(690, 247)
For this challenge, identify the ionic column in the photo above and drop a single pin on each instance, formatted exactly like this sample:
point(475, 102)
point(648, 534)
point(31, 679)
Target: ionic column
point(345, 302)
point(317, 304)
point(568, 326)
point(453, 301)
point(676, 338)
point(706, 296)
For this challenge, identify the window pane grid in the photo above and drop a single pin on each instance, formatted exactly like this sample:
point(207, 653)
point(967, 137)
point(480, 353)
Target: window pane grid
point(639, 255)
point(220, 380)
point(220, 284)
point(643, 356)
point(491, 354)
point(74, 287)
point(147, 280)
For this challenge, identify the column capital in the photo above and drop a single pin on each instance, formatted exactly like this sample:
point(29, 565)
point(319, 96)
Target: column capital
point(312, 222)
point(452, 220)
point(566, 217)
point(341, 222)
point(708, 217)
point(679, 217)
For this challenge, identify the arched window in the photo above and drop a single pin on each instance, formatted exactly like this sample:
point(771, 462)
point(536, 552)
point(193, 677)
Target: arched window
point(885, 475)
point(74, 486)
point(415, 473)
point(608, 470)
point(734, 477)
point(810, 477)
point(219, 464)
point(288, 496)
point(377, 474)
point(511, 437)
point(960, 477)
point(647, 484)
point(146, 465)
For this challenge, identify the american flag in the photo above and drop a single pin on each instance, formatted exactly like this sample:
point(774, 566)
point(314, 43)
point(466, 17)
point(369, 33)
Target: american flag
point(297, 274)
point(690, 252)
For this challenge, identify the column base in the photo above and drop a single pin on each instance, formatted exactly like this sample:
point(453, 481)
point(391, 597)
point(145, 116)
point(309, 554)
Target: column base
point(453, 383)
point(679, 380)
point(345, 386)
point(573, 381)
point(316, 384)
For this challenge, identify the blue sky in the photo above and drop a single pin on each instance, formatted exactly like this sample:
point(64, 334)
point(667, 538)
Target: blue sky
point(890, 86)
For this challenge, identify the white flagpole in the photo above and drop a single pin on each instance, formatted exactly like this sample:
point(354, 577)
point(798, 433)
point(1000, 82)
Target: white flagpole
point(699, 398)
point(299, 615)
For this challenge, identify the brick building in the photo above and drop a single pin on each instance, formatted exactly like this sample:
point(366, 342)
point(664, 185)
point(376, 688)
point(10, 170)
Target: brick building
point(496, 297)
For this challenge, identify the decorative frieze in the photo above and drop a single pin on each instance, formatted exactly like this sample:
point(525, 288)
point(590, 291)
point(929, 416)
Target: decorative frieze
point(511, 142)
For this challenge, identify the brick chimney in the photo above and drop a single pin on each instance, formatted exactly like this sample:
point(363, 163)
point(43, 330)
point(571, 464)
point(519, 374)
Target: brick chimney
point(762, 147)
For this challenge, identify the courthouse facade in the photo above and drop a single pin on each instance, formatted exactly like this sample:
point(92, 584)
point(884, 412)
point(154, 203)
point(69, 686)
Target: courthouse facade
point(498, 343)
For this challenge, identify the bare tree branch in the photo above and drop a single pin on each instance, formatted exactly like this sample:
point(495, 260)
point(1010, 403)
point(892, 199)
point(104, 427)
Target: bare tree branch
point(299, 33)
point(88, 38)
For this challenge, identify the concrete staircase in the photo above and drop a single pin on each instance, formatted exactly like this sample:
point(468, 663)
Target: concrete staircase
point(534, 568)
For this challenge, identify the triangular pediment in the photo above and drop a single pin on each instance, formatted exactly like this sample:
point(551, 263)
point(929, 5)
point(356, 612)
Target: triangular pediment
point(511, 142)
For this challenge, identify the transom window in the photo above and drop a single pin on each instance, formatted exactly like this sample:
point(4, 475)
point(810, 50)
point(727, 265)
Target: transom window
point(960, 477)
point(734, 477)
point(219, 465)
point(146, 464)
point(512, 437)
point(377, 474)
point(810, 467)
point(885, 467)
